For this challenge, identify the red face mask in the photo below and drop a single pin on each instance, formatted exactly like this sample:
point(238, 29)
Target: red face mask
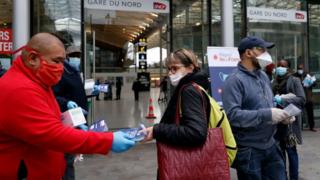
point(49, 74)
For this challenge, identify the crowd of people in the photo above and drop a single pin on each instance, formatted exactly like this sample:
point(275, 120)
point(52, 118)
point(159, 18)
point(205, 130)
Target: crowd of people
point(34, 144)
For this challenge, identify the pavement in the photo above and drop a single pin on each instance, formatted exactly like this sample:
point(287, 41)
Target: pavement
point(140, 163)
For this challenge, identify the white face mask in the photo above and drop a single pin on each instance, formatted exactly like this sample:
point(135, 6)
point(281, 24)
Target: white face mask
point(300, 71)
point(75, 62)
point(264, 60)
point(175, 78)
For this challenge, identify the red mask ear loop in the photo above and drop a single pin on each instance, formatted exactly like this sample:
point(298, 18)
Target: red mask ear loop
point(21, 48)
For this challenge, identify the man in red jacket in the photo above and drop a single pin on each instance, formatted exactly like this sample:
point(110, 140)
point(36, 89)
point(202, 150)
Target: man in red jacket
point(31, 131)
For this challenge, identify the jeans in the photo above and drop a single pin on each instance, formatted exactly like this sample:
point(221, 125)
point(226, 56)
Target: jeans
point(257, 164)
point(293, 161)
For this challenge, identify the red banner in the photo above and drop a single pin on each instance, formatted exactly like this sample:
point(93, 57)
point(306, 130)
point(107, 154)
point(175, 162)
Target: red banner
point(5, 41)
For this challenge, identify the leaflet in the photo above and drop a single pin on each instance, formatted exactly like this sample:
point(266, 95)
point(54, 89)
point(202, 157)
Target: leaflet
point(292, 110)
point(135, 134)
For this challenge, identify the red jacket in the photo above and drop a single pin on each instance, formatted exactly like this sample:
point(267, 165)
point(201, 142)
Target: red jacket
point(31, 129)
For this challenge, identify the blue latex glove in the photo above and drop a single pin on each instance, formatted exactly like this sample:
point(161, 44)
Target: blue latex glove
point(96, 90)
point(83, 127)
point(72, 104)
point(310, 82)
point(278, 99)
point(121, 142)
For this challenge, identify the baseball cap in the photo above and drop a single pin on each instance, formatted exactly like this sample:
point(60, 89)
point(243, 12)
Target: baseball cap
point(73, 49)
point(253, 41)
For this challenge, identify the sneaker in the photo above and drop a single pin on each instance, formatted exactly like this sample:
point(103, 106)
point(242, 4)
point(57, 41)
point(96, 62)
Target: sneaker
point(313, 130)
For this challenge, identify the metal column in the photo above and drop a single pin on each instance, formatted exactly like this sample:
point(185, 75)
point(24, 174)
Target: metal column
point(21, 23)
point(227, 23)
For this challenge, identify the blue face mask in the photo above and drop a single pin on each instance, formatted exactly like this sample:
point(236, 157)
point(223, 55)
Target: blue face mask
point(75, 62)
point(281, 71)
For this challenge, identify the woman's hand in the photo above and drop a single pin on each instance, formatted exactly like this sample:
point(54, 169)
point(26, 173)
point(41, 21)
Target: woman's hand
point(149, 132)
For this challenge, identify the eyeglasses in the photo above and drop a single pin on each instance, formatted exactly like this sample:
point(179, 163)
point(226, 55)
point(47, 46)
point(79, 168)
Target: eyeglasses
point(173, 69)
point(260, 49)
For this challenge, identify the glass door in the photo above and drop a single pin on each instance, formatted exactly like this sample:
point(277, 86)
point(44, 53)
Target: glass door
point(124, 40)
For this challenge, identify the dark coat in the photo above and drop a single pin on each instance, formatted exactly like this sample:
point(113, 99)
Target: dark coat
point(136, 86)
point(294, 86)
point(195, 108)
point(70, 88)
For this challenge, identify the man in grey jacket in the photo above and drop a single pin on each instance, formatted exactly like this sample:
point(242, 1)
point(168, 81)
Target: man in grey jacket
point(248, 100)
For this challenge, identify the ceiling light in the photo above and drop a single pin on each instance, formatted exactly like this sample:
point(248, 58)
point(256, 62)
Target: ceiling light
point(154, 15)
point(149, 20)
point(145, 24)
point(142, 27)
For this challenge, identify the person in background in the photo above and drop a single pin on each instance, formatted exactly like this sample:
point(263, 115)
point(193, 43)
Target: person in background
point(248, 101)
point(183, 70)
point(70, 94)
point(136, 88)
point(108, 95)
point(301, 74)
point(163, 90)
point(2, 70)
point(97, 83)
point(118, 88)
point(288, 90)
point(31, 129)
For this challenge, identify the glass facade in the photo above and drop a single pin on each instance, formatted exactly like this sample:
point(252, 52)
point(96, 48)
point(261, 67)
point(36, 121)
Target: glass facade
point(314, 55)
point(295, 41)
point(61, 17)
point(289, 37)
point(190, 26)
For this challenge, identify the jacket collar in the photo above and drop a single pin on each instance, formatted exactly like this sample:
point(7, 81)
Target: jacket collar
point(255, 73)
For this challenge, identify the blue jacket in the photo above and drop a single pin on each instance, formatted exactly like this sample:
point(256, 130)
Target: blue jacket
point(247, 99)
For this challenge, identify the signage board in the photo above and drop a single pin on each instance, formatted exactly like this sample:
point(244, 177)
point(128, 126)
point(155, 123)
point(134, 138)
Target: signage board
point(222, 61)
point(5, 41)
point(155, 6)
point(276, 14)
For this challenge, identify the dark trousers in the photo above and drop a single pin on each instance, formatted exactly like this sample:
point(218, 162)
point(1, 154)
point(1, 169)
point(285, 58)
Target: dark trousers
point(309, 109)
point(69, 172)
point(136, 95)
point(118, 93)
point(293, 160)
point(260, 164)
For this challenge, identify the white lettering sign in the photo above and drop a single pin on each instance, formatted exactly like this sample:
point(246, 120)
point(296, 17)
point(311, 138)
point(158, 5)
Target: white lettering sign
point(156, 6)
point(276, 14)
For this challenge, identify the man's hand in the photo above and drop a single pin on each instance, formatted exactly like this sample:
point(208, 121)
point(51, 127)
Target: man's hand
point(121, 142)
point(278, 115)
point(289, 120)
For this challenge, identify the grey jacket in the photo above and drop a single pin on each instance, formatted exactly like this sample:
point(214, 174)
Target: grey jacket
point(247, 99)
point(294, 86)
